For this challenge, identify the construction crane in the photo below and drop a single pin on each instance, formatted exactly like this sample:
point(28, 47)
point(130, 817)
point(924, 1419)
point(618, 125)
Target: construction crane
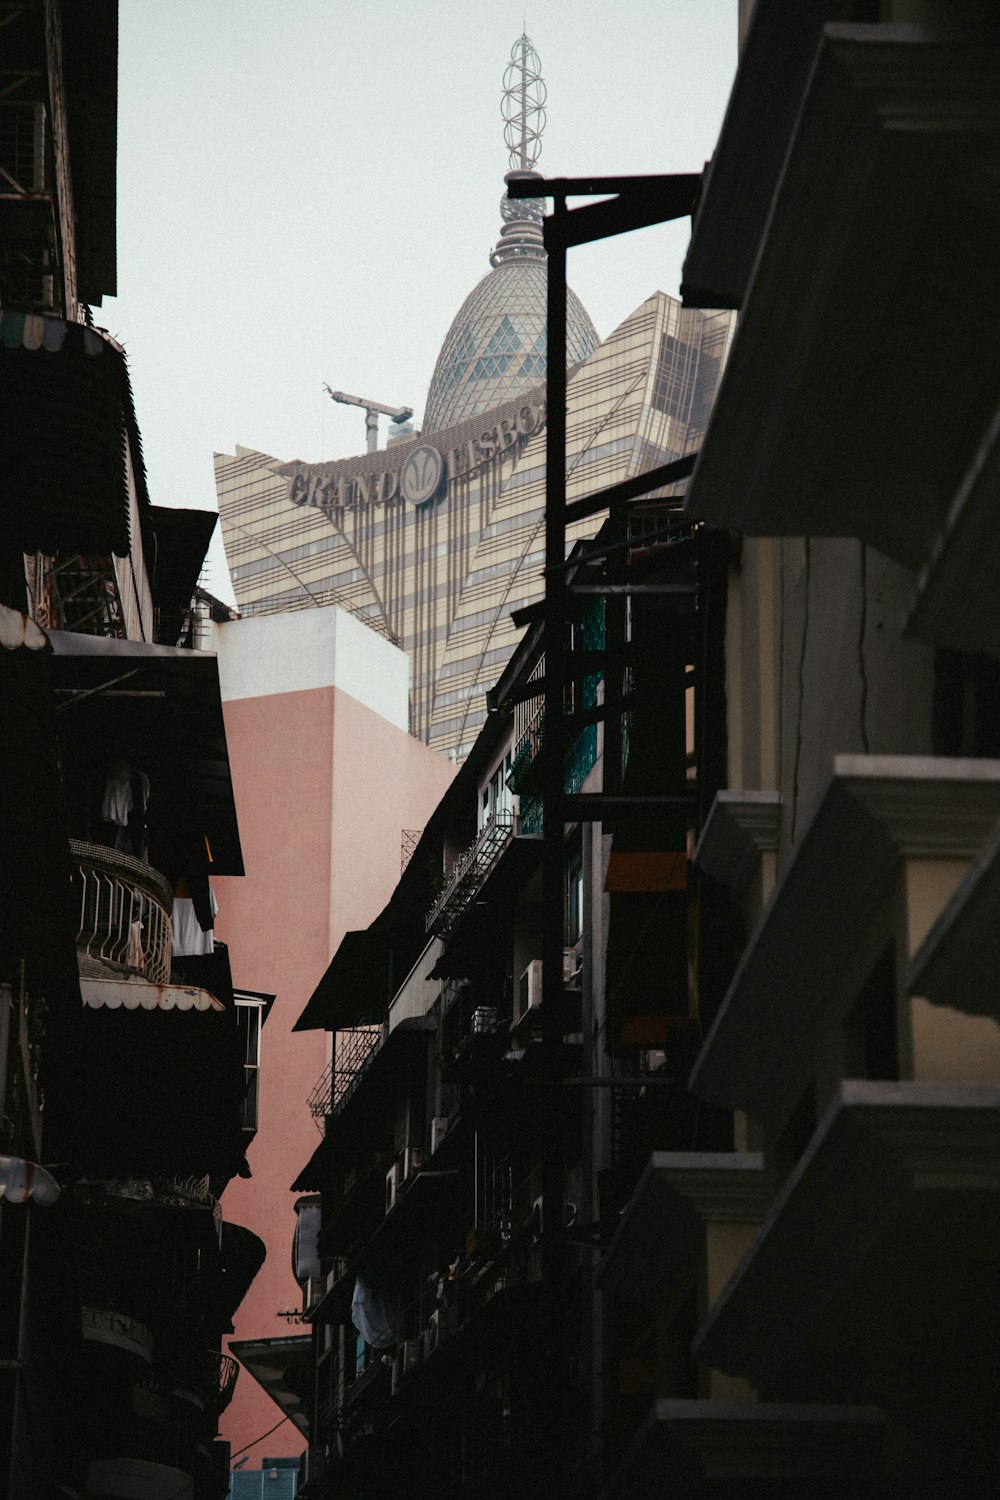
point(371, 410)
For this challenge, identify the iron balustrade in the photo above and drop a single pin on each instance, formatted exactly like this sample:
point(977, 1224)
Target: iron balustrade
point(469, 872)
point(223, 1370)
point(353, 1051)
point(123, 914)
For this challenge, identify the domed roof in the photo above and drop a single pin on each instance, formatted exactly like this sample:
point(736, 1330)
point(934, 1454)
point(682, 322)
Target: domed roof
point(496, 345)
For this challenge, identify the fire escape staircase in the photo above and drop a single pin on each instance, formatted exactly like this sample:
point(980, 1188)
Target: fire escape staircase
point(469, 872)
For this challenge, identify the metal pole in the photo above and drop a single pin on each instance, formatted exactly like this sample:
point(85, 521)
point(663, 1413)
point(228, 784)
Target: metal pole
point(553, 833)
point(371, 428)
point(555, 612)
point(555, 628)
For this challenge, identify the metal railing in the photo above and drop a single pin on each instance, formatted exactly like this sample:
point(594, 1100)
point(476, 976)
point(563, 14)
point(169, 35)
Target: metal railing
point(123, 914)
point(223, 1370)
point(353, 1051)
point(469, 872)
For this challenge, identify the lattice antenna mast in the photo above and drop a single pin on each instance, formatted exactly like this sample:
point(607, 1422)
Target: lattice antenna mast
point(523, 105)
point(523, 110)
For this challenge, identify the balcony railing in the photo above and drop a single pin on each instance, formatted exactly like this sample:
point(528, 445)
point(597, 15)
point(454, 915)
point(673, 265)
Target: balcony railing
point(353, 1051)
point(223, 1370)
point(469, 872)
point(123, 914)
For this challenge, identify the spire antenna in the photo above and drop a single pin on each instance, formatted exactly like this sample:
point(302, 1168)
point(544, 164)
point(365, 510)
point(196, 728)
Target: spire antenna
point(523, 105)
point(523, 110)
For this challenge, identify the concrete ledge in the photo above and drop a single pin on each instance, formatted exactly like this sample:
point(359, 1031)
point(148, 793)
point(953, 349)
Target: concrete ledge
point(889, 1222)
point(897, 124)
point(740, 827)
point(876, 811)
point(834, 1449)
point(654, 1249)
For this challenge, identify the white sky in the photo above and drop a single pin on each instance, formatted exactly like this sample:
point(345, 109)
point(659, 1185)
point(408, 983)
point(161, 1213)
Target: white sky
point(308, 190)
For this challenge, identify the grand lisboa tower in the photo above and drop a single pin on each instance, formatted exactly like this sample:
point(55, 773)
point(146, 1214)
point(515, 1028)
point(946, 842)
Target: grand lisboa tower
point(495, 348)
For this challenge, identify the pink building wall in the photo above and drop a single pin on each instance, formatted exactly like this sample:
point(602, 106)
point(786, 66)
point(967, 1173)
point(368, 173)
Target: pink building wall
point(326, 778)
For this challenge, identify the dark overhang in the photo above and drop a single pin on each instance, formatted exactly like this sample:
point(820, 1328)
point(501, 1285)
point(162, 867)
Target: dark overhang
point(283, 1368)
point(65, 414)
point(180, 544)
point(877, 256)
point(743, 174)
point(90, 66)
point(356, 987)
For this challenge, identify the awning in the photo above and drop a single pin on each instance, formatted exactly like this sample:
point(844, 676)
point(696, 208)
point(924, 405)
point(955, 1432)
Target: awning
point(181, 543)
point(283, 1368)
point(65, 410)
point(136, 994)
point(160, 708)
point(356, 986)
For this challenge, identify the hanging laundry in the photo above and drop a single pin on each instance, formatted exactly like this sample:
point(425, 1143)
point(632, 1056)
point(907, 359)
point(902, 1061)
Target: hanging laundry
point(117, 802)
point(190, 938)
point(371, 1317)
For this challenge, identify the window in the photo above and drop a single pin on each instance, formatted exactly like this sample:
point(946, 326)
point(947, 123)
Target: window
point(497, 797)
point(574, 899)
point(250, 1011)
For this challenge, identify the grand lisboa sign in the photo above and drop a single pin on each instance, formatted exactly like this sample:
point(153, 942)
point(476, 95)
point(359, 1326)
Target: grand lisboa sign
point(423, 473)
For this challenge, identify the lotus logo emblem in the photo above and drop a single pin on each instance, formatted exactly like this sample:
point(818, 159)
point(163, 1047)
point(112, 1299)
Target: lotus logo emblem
point(421, 475)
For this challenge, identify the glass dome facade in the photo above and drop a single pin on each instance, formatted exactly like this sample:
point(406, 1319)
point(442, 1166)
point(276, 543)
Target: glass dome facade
point(496, 346)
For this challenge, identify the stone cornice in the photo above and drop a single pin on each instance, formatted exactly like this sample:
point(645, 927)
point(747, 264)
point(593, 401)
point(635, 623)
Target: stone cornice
point(724, 1187)
point(740, 827)
point(655, 1246)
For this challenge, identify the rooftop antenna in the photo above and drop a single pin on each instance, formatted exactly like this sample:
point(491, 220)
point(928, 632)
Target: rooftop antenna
point(371, 411)
point(523, 110)
point(523, 105)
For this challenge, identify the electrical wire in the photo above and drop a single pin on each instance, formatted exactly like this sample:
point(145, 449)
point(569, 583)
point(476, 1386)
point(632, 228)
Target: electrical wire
point(186, 1487)
point(254, 1441)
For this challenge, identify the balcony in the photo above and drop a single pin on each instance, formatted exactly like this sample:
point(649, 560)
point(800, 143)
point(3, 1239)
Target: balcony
point(223, 1372)
point(896, 128)
point(353, 1051)
point(470, 872)
point(123, 915)
point(888, 1222)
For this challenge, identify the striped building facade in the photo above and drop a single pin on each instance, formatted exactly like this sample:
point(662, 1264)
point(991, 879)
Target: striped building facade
point(434, 541)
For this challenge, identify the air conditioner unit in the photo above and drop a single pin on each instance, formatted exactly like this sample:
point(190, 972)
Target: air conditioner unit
point(412, 1352)
point(436, 1332)
point(529, 991)
point(439, 1129)
point(392, 1179)
point(412, 1161)
point(396, 1374)
point(572, 965)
